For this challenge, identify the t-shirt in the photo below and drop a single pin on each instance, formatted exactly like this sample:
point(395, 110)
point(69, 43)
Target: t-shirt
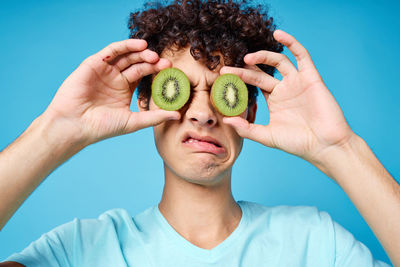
point(265, 236)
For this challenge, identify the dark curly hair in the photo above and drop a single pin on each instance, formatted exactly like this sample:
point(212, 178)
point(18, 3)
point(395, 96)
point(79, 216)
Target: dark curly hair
point(231, 28)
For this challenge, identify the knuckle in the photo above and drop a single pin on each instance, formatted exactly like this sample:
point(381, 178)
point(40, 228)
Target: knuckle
point(303, 55)
point(126, 79)
point(126, 45)
point(137, 72)
point(127, 60)
point(281, 60)
point(122, 64)
point(141, 55)
point(132, 41)
point(291, 42)
point(263, 55)
point(91, 61)
point(113, 49)
point(254, 78)
point(258, 80)
point(88, 60)
point(240, 73)
point(113, 44)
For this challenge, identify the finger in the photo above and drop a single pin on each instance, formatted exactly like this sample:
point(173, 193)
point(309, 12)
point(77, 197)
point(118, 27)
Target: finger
point(280, 61)
point(143, 119)
point(257, 78)
point(116, 49)
point(124, 61)
point(252, 67)
point(301, 54)
point(255, 132)
point(139, 70)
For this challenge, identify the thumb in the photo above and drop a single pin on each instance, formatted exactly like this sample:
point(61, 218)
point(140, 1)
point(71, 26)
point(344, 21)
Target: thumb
point(255, 132)
point(143, 119)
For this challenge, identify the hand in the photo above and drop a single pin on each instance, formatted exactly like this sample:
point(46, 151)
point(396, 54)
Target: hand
point(93, 102)
point(305, 119)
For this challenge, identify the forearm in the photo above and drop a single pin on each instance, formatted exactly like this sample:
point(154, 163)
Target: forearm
point(370, 187)
point(29, 159)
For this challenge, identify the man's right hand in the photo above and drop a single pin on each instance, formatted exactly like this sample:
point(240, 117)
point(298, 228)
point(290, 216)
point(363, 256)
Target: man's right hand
point(93, 102)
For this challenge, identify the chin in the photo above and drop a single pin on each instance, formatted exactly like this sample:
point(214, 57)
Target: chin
point(206, 175)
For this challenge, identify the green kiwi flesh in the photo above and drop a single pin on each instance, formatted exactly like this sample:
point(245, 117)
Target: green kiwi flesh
point(229, 95)
point(170, 89)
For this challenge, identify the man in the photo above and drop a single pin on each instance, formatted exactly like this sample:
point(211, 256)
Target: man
point(198, 223)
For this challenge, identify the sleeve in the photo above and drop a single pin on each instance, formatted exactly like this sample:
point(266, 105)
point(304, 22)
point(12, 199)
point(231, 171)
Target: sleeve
point(51, 249)
point(350, 252)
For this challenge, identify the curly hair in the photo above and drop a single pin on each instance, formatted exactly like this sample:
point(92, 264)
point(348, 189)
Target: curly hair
point(231, 28)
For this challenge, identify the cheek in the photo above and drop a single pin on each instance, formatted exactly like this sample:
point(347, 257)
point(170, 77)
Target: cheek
point(236, 142)
point(238, 139)
point(165, 136)
point(152, 105)
point(160, 131)
point(157, 130)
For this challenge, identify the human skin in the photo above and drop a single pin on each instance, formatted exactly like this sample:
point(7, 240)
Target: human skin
point(92, 104)
point(197, 200)
point(305, 120)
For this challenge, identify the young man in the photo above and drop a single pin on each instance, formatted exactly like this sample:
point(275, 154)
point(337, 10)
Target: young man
point(198, 222)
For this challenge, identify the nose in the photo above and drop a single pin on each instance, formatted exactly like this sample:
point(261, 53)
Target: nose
point(200, 111)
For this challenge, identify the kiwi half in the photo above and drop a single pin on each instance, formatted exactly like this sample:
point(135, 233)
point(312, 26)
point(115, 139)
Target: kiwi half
point(229, 95)
point(170, 89)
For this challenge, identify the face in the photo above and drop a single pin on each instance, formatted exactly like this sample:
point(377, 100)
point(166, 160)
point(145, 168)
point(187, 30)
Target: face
point(198, 148)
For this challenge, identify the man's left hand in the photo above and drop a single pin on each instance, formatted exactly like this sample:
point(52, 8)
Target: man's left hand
point(305, 119)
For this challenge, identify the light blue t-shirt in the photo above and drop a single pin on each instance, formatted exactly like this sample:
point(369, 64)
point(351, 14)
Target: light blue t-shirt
point(265, 236)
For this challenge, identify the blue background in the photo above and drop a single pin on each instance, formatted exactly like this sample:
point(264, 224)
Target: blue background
point(353, 44)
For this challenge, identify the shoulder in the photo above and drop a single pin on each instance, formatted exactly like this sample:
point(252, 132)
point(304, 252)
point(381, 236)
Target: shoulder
point(113, 218)
point(284, 213)
point(88, 230)
point(77, 241)
point(302, 230)
point(307, 231)
point(304, 222)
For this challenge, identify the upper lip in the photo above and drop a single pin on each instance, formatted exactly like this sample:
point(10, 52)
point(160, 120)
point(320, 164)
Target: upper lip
point(196, 136)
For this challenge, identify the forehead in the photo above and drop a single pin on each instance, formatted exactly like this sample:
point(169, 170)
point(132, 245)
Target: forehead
point(197, 72)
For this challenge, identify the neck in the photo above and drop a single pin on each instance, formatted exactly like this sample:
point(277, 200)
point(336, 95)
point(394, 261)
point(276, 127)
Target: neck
point(203, 215)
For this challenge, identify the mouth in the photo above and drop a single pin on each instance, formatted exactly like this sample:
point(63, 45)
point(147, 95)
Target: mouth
point(203, 143)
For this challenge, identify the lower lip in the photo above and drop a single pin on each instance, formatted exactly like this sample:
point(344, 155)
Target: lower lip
point(206, 147)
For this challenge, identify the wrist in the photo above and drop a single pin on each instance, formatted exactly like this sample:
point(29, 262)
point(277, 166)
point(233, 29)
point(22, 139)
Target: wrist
point(331, 159)
point(58, 134)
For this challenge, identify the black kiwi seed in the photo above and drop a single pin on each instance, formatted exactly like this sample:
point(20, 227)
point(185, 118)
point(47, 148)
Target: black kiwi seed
point(170, 89)
point(229, 95)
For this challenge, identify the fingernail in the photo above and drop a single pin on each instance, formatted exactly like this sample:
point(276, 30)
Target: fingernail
point(247, 57)
point(225, 120)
